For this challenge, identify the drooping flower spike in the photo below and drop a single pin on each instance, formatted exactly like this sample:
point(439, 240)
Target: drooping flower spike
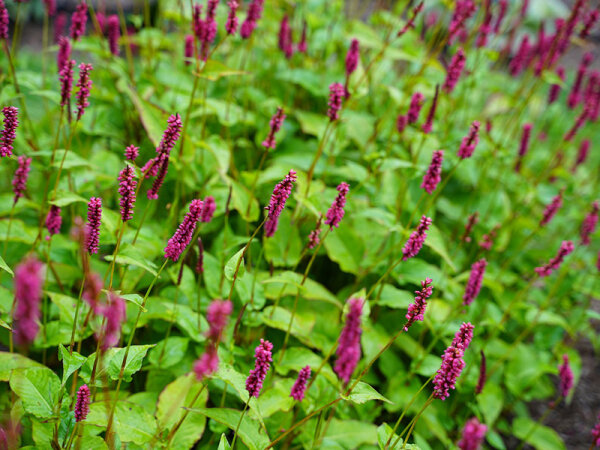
point(434, 173)
point(416, 103)
point(114, 33)
point(470, 141)
point(275, 124)
point(335, 213)
point(127, 186)
point(28, 294)
point(82, 404)
point(475, 280)
point(473, 435)
point(552, 209)
point(416, 240)
point(416, 310)
point(589, 224)
point(299, 387)
point(78, 21)
point(566, 248)
point(455, 68)
point(566, 377)
point(348, 351)
point(19, 181)
point(263, 358)
point(280, 195)
point(84, 84)
point(93, 225)
point(184, 233)
point(452, 363)
point(337, 92)
point(9, 132)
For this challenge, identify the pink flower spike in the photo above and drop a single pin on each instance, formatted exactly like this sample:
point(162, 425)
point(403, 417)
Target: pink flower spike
point(475, 280)
point(60, 24)
point(471, 222)
point(188, 49)
point(50, 7)
point(589, 224)
point(434, 173)
point(416, 240)
point(84, 84)
point(503, 6)
point(401, 123)
point(4, 21)
point(552, 209)
point(352, 57)
point(217, 316)
point(555, 88)
point(280, 195)
point(53, 221)
point(127, 185)
point(524, 146)
point(348, 351)
point(416, 310)
point(208, 209)
point(64, 52)
point(596, 434)
point(463, 10)
point(28, 294)
point(66, 82)
point(473, 435)
point(114, 33)
point(19, 181)
point(452, 363)
point(428, 125)
point(9, 133)
point(313, 237)
point(232, 21)
point(566, 248)
point(161, 172)
point(131, 153)
point(82, 405)
point(208, 363)
point(455, 68)
point(254, 13)
point(184, 233)
point(78, 21)
point(286, 44)
point(93, 225)
point(115, 314)
point(336, 211)
point(566, 377)
point(416, 102)
point(303, 45)
point(470, 141)
point(170, 135)
point(92, 288)
point(337, 92)
point(275, 124)
point(410, 24)
point(589, 22)
point(299, 387)
point(263, 359)
point(575, 94)
point(582, 154)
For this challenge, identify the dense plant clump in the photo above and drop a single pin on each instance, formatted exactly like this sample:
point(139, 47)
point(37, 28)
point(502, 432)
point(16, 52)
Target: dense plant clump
point(355, 234)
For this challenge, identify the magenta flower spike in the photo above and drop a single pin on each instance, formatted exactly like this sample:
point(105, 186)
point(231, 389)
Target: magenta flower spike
point(348, 351)
point(53, 221)
point(82, 404)
point(93, 225)
point(555, 88)
point(434, 173)
point(200, 261)
point(208, 209)
point(455, 68)
point(208, 363)
point(275, 124)
point(64, 52)
point(28, 294)
point(303, 45)
point(337, 92)
point(209, 28)
point(131, 153)
point(182, 237)
point(9, 132)
point(452, 362)
point(19, 181)
point(463, 10)
point(50, 7)
point(589, 21)
point(280, 195)
point(286, 44)
point(524, 146)
point(502, 7)
point(582, 154)
point(115, 314)
point(352, 57)
point(416, 103)
point(231, 25)
point(92, 288)
point(78, 21)
point(114, 33)
point(596, 434)
point(335, 213)
point(428, 125)
point(416, 240)
point(482, 374)
point(217, 316)
point(84, 84)
point(158, 166)
point(487, 240)
point(299, 387)
point(552, 209)
point(485, 28)
point(161, 173)
point(401, 123)
point(470, 141)
point(254, 13)
point(566, 377)
point(566, 248)
point(66, 82)
point(4, 21)
point(416, 310)
point(188, 49)
point(60, 25)
point(473, 435)
point(521, 58)
point(313, 237)
point(474, 283)
point(589, 224)
point(263, 358)
point(197, 23)
point(575, 94)
point(127, 185)
point(410, 24)
point(471, 222)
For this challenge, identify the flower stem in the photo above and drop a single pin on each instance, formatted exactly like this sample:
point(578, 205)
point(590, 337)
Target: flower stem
point(239, 423)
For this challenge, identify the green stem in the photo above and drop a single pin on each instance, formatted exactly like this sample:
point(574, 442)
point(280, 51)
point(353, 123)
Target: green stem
point(235, 434)
point(77, 307)
point(10, 219)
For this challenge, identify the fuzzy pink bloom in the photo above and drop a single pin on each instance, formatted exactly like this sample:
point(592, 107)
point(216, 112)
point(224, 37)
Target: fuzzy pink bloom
point(184, 233)
point(434, 173)
point(335, 214)
point(4, 21)
point(262, 363)
point(115, 314)
point(588, 23)
point(552, 209)
point(254, 13)
point(416, 310)
point(575, 94)
point(188, 49)
point(452, 363)
point(161, 173)
point(416, 103)
point(208, 209)
point(200, 261)
point(463, 10)
point(482, 374)
point(9, 132)
point(280, 195)
point(582, 154)
point(93, 225)
point(473, 435)
point(487, 240)
point(455, 68)
point(591, 96)
point(158, 166)
point(302, 45)
point(596, 434)
point(60, 24)
point(521, 58)
point(589, 224)
point(485, 28)
point(50, 7)
point(471, 222)
point(313, 237)
point(428, 125)
point(78, 21)
point(401, 123)
point(299, 387)
point(524, 146)
point(470, 141)
point(92, 288)
point(207, 364)
point(53, 221)
point(352, 57)
point(127, 185)
point(231, 25)
point(19, 181)
point(114, 33)
point(555, 88)
point(410, 24)
point(286, 44)
point(66, 82)
point(198, 25)
point(337, 92)
point(217, 316)
point(416, 240)
point(566, 377)
point(474, 283)
point(64, 52)
point(132, 152)
point(84, 84)
point(275, 124)
point(82, 404)
point(28, 294)
point(209, 28)
point(566, 248)
point(348, 351)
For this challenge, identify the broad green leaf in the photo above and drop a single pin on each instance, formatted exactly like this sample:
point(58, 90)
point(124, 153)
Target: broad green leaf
point(278, 317)
point(168, 352)
point(290, 282)
point(136, 299)
point(364, 392)
point(350, 433)
point(38, 388)
point(490, 402)
point(71, 362)
point(233, 378)
point(4, 266)
point(223, 443)
point(71, 159)
point(213, 70)
point(393, 297)
point(539, 436)
point(311, 123)
point(232, 264)
point(129, 255)
point(133, 364)
point(149, 116)
point(384, 431)
point(295, 358)
point(436, 242)
point(130, 421)
point(64, 198)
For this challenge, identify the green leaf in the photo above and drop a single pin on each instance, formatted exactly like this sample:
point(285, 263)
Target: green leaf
point(233, 378)
point(168, 352)
point(350, 433)
point(231, 265)
point(311, 290)
point(4, 266)
point(383, 434)
point(64, 198)
point(72, 159)
point(364, 392)
point(435, 241)
point(490, 402)
point(278, 317)
point(311, 123)
point(71, 362)
point(213, 70)
point(38, 388)
point(3, 324)
point(136, 299)
point(131, 422)
point(223, 443)
point(129, 255)
point(249, 432)
point(345, 248)
point(539, 436)
point(149, 115)
point(133, 364)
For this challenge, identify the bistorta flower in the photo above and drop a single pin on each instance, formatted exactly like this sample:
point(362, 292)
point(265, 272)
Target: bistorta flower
point(93, 225)
point(4, 21)
point(131, 153)
point(471, 222)
point(19, 181)
point(65, 77)
point(473, 435)
point(348, 351)
point(286, 44)
point(313, 237)
point(336, 96)
point(232, 21)
point(92, 288)
point(303, 45)
point(28, 294)
point(9, 132)
point(217, 316)
point(78, 21)
point(566, 248)
point(552, 209)
point(434, 173)
point(566, 377)
point(417, 239)
point(127, 185)
point(455, 68)
point(114, 33)
point(280, 195)
point(428, 125)
point(589, 224)
point(182, 237)
point(299, 387)
point(416, 310)
point(115, 314)
point(82, 404)
point(254, 13)
point(470, 141)
point(452, 362)
point(555, 88)
point(275, 124)
point(263, 358)
point(524, 146)
point(335, 213)
point(208, 209)
point(53, 221)
point(84, 84)
point(416, 103)
point(582, 154)
point(474, 283)
point(208, 363)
